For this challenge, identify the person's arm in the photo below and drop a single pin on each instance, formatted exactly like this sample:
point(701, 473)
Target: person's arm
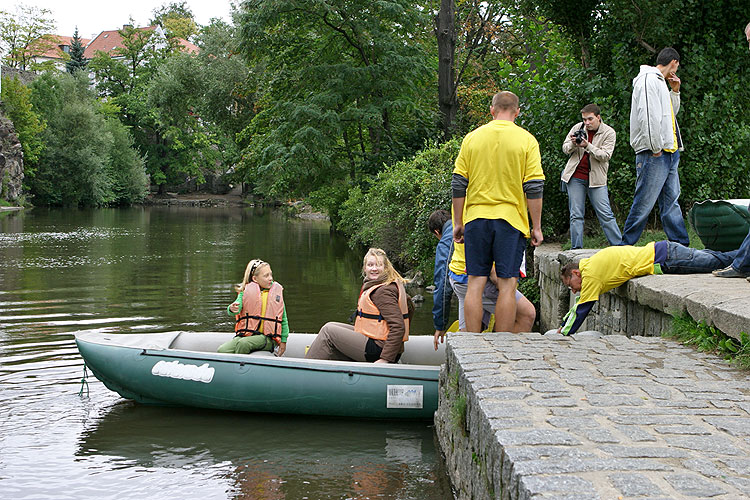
point(575, 317)
point(459, 184)
point(385, 299)
point(653, 114)
point(441, 298)
point(603, 152)
point(569, 146)
point(235, 306)
point(534, 190)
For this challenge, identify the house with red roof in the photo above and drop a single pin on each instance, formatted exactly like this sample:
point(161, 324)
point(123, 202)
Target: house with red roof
point(109, 41)
point(54, 48)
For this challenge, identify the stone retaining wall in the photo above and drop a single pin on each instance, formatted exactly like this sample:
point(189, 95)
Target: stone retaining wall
point(643, 306)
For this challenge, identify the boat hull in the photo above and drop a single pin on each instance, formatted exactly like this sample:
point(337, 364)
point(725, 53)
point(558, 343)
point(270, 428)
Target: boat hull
point(155, 373)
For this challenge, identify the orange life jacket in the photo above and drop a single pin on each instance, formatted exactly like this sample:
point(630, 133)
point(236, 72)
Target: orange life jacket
point(370, 322)
point(248, 320)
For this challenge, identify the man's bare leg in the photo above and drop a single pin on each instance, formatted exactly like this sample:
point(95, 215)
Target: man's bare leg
point(473, 309)
point(525, 315)
point(505, 309)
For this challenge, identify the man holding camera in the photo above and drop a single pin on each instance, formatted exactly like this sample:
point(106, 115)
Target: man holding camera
point(589, 146)
point(655, 137)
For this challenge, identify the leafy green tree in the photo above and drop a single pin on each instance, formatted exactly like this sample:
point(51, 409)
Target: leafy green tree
point(77, 61)
point(16, 102)
point(24, 34)
point(87, 160)
point(339, 95)
point(177, 19)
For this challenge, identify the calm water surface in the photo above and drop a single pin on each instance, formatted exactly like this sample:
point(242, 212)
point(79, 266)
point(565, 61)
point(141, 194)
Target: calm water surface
point(160, 269)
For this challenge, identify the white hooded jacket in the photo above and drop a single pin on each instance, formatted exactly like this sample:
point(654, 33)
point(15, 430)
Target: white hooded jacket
point(650, 113)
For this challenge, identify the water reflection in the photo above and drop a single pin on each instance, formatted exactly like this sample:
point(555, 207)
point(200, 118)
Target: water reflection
point(272, 456)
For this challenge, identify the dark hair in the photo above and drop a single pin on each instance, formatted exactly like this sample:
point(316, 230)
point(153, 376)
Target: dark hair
point(567, 268)
point(591, 108)
point(666, 56)
point(437, 220)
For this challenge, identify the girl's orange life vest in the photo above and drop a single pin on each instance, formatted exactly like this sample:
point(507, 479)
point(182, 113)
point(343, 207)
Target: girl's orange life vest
point(371, 323)
point(248, 320)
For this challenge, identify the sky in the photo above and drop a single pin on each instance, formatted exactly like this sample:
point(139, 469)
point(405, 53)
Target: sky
point(95, 16)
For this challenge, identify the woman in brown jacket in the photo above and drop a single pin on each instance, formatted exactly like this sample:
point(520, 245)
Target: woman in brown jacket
point(382, 320)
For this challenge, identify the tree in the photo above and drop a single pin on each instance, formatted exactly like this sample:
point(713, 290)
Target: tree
point(77, 61)
point(25, 34)
point(176, 19)
point(339, 95)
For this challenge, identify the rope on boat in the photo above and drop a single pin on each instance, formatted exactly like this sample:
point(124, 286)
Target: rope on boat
point(84, 382)
point(349, 372)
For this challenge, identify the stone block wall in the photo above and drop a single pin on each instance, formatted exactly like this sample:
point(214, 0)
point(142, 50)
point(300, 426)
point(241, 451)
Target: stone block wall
point(11, 161)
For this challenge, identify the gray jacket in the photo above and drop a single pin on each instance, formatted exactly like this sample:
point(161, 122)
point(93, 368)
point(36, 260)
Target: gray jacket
point(599, 149)
point(651, 115)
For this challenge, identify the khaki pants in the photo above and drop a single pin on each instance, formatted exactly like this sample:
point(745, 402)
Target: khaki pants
point(338, 341)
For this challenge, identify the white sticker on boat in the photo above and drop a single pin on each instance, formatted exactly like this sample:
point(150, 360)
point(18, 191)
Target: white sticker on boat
point(175, 369)
point(405, 396)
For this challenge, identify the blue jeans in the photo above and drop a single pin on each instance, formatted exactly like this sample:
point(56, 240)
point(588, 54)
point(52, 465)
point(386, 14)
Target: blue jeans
point(684, 260)
point(599, 198)
point(742, 259)
point(656, 180)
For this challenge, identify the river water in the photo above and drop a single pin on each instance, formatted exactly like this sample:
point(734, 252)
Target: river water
point(153, 269)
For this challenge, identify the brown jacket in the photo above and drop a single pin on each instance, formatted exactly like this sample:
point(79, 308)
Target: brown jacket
point(600, 150)
point(385, 299)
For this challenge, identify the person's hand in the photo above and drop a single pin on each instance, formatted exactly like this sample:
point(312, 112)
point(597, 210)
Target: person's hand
point(458, 233)
point(656, 155)
point(234, 307)
point(674, 82)
point(439, 334)
point(282, 349)
point(583, 143)
point(536, 237)
point(381, 360)
point(559, 330)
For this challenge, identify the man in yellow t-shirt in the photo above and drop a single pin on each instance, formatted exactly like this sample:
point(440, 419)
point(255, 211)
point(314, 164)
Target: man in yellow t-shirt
point(611, 267)
point(497, 181)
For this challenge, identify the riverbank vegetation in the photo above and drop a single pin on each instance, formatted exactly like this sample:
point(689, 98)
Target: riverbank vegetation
point(360, 108)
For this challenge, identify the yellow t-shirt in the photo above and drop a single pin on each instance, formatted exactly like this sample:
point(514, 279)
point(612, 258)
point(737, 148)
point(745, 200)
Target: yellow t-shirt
point(498, 158)
point(674, 128)
point(263, 304)
point(613, 266)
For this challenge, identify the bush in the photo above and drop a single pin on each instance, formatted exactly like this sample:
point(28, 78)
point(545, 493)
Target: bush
point(392, 210)
point(16, 99)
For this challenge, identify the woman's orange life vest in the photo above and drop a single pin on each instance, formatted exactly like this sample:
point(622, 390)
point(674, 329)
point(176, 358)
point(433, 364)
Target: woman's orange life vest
point(371, 323)
point(248, 321)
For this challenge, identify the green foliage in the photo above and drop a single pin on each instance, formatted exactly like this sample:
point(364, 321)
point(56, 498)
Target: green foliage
point(77, 61)
point(710, 339)
point(16, 99)
point(24, 34)
point(391, 211)
point(88, 159)
point(341, 94)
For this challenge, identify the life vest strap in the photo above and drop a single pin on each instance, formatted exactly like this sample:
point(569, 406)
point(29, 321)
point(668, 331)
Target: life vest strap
point(378, 317)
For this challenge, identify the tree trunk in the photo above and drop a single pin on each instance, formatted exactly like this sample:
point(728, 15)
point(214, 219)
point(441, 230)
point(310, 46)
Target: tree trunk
point(446, 39)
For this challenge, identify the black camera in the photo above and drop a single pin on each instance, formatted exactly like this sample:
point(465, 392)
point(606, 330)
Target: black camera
point(580, 135)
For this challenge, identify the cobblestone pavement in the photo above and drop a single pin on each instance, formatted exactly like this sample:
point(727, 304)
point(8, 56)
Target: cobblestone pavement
point(607, 417)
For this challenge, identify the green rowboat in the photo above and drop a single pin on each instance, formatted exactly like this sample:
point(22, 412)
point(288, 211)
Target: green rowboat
point(184, 369)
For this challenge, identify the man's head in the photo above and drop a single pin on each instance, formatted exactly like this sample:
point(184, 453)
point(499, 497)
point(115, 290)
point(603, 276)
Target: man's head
point(590, 116)
point(747, 33)
point(437, 220)
point(504, 106)
point(571, 276)
point(668, 61)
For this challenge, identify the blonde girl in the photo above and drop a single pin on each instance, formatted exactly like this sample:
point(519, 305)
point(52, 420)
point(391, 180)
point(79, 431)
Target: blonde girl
point(381, 327)
point(260, 314)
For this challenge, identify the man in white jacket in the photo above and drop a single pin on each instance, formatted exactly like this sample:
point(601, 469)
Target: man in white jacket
point(655, 137)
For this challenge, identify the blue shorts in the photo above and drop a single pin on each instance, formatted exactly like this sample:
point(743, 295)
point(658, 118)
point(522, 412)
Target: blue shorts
point(493, 240)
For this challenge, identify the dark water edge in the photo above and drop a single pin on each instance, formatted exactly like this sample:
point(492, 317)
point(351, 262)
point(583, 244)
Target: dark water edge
point(171, 268)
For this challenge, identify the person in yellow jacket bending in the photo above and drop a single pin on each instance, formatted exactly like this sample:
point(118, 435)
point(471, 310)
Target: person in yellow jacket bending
point(260, 315)
point(381, 326)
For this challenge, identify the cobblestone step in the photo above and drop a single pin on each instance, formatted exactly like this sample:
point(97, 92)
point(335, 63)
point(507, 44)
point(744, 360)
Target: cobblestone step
point(528, 416)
